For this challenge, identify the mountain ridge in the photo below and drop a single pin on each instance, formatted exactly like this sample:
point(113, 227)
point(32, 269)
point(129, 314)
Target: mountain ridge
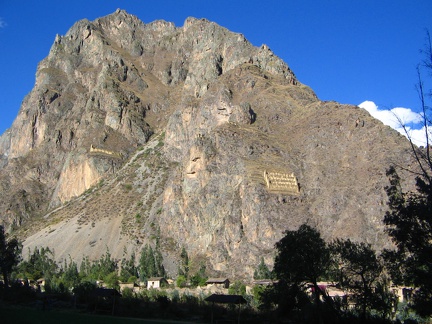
point(141, 132)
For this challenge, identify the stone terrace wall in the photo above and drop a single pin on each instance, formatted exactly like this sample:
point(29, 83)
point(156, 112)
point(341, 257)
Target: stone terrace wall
point(281, 182)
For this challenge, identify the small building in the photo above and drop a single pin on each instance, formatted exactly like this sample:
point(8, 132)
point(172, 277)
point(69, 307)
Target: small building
point(218, 282)
point(40, 285)
point(330, 289)
point(337, 294)
point(404, 294)
point(156, 282)
point(132, 286)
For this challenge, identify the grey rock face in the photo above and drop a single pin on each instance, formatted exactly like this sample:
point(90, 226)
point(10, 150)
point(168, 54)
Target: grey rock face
point(152, 131)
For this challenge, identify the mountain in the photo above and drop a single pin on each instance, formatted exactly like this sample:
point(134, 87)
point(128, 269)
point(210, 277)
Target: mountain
point(188, 137)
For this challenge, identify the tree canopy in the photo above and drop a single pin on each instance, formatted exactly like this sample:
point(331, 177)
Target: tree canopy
point(359, 270)
point(409, 224)
point(10, 255)
point(262, 271)
point(302, 258)
point(409, 220)
point(150, 263)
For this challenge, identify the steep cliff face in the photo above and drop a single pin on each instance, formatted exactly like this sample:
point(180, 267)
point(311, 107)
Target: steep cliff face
point(188, 135)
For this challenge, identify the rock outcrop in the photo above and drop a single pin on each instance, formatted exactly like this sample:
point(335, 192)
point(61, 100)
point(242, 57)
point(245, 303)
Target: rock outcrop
point(140, 132)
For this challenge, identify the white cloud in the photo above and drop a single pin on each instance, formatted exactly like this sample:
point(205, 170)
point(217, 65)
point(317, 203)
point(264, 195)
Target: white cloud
point(2, 23)
point(398, 117)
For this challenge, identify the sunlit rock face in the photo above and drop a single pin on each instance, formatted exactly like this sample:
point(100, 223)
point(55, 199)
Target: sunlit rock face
point(190, 137)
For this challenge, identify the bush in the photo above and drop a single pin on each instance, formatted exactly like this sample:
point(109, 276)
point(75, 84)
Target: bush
point(128, 293)
point(132, 279)
point(198, 280)
point(181, 281)
point(84, 291)
point(111, 280)
point(175, 296)
point(237, 288)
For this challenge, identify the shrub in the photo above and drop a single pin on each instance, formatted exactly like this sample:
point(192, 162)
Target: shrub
point(237, 288)
point(181, 281)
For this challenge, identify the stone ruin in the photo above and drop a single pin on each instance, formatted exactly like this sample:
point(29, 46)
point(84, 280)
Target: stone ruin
point(281, 182)
point(107, 152)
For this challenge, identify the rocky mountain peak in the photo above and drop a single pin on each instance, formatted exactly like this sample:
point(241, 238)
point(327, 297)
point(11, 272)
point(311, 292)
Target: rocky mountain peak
point(189, 136)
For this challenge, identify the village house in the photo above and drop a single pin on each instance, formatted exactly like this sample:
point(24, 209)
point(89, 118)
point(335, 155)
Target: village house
point(40, 284)
point(133, 286)
point(156, 282)
point(404, 294)
point(331, 289)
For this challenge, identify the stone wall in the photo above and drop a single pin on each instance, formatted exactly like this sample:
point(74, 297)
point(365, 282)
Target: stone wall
point(107, 152)
point(281, 182)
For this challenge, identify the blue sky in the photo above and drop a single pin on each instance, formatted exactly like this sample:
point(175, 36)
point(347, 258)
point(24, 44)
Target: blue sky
point(350, 51)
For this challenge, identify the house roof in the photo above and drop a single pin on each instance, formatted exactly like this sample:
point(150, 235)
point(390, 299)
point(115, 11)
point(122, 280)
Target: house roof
point(226, 299)
point(128, 284)
point(216, 280)
point(156, 279)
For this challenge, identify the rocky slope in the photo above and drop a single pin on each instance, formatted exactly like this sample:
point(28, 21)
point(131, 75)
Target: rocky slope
point(190, 136)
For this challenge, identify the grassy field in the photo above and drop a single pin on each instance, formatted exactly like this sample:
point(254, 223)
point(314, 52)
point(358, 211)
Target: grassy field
point(16, 315)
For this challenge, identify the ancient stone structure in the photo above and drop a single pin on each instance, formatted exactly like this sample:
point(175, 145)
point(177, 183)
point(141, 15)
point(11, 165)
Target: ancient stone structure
point(102, 151)
point(281, 182)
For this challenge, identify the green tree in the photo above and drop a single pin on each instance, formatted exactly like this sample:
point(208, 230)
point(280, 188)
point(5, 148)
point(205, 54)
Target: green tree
point(160, 269)
point(85, 269)
point(10, 255)
point(84, 291)
point(302, 258)
point(237, 288)
point(360, 271)
point(147, 264)
point(128, 269)
point(111, 280)
point(70, 275)
point(199, 278)
point(262, 271)
point(150, 263)
point(40, 264)
point(184, 265)
point(409, 224)
point(98, 269)
point(181, 281)
point(258, 292)
point(103, 267)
